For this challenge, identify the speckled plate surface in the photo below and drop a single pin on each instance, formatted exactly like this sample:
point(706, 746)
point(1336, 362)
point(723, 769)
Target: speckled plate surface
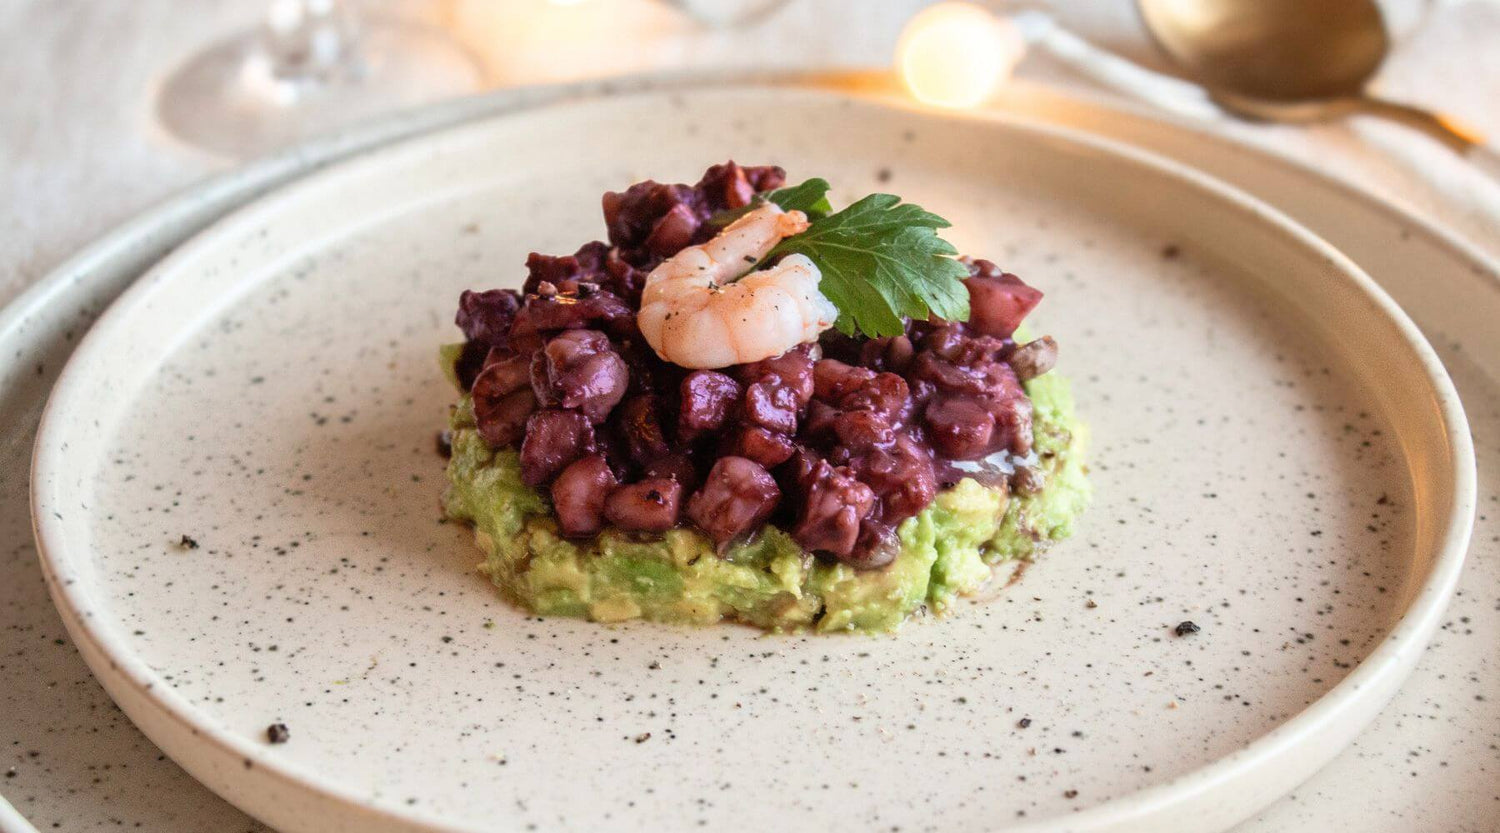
point(269, 390)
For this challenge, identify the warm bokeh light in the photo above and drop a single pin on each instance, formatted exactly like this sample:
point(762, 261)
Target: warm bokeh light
point(956, 54)
point(553, 42)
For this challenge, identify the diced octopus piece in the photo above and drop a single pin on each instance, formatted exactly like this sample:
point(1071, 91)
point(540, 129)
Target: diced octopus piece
point(956, 344)
point(673, 231)
point(959, 427)
point(578, 495)
point(652, 505)
point(946, 376)
point(577, 369)
point(859, 430)
point(768, 448)
point(486, 317)
point(631, 215)
point(502, 421)
point(946, 340)
point(886, 394)
point(1013, 422)
point(833, 506)
point(554, 440)
point(901, 475)
point(794, 369)
point(707, 398)
point(832, 379)
point(516, 372)
point(764, 177)
point(502, 402)
point(732, 186)
point(772, 405)
point(998, 305)
point(736, 498)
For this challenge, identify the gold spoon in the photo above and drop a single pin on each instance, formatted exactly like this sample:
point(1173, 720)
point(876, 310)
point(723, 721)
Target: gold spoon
point(1295, 61)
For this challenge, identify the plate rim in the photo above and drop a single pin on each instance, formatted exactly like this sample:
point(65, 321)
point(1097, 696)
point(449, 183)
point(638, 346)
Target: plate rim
point(1409, 630)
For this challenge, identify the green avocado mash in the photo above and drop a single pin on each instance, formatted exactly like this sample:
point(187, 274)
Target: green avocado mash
point(948, 550)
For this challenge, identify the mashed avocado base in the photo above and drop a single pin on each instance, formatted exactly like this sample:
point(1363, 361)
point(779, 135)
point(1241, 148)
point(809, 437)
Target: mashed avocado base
point(948, 550)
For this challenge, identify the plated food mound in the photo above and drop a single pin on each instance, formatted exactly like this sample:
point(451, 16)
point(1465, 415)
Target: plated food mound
point(748, 406)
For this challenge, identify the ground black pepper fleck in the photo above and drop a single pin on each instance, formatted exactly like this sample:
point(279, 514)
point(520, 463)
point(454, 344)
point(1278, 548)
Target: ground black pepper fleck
point(1070, 794)
point(445, 444)
point(278, 733)
point(1186, 627)
point(654, 666)
point(643, 737)
point(188, 543)
point(1024, 722)
point(1170, 251)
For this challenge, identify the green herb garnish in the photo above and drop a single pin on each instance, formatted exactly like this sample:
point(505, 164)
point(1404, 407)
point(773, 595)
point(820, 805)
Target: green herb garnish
point(881, 259)
point(811, 198)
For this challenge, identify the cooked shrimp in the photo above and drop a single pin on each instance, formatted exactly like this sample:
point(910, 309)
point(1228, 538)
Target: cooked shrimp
point(699, 309)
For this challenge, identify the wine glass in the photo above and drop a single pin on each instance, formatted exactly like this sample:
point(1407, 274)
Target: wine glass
point(312, 65)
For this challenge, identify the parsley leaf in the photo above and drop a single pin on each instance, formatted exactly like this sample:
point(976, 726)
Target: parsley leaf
point(811, 198)
point(882, 260)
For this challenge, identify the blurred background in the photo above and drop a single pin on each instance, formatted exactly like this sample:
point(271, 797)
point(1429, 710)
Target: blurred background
point(111, 106)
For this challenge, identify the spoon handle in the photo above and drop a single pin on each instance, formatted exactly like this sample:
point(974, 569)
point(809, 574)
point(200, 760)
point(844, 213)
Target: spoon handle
point(1463, 139)
point(1486, 158)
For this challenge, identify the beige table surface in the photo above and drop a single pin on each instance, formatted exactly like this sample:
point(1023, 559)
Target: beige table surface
point(80, 152)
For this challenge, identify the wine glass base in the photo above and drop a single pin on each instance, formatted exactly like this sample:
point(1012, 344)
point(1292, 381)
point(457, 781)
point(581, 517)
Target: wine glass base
point(228, 100)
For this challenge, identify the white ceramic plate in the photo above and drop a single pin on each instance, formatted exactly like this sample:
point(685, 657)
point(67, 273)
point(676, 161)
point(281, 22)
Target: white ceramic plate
point(1238, 333)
